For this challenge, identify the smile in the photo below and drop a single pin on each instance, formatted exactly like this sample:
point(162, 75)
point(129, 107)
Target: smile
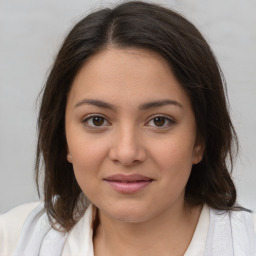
point(128, 184)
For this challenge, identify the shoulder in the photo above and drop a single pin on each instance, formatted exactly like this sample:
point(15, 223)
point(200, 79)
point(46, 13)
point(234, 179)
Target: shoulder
point(231, 230)
point(243, 227)
point(11, 224)
point(254, 221)
point(249, 218)
point(241, 216)
point(243, 219)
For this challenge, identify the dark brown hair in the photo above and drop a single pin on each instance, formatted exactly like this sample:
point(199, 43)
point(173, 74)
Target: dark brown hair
point(139, 25)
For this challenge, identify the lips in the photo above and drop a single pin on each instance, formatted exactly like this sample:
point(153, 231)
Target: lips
point(128, 184)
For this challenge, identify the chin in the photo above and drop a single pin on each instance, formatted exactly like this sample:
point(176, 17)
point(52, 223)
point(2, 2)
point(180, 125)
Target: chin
point(130, 214)
point(129, 218)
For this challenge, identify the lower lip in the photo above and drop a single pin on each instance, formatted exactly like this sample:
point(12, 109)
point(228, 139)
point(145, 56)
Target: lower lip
point(128, 187)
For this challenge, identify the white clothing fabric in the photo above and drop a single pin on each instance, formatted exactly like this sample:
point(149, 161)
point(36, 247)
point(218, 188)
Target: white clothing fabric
point(11, 225)
point(231, 234)
point(38, 238)
point(79, 240)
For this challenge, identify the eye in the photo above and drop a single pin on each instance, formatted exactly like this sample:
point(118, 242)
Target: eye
point(161, 122)
point(95, 121)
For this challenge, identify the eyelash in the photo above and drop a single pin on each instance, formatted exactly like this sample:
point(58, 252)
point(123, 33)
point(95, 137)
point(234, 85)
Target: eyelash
point(166, 119)
point(90, 117)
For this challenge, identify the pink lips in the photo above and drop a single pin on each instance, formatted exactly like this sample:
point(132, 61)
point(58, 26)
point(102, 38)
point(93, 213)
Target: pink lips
point(128, 184)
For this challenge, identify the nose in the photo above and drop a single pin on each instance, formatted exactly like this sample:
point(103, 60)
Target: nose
point(127, 147)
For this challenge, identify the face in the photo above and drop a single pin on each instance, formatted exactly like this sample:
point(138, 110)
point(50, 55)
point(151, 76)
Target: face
point(131, 134)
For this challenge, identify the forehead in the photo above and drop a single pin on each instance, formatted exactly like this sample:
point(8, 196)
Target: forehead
point(124, 75)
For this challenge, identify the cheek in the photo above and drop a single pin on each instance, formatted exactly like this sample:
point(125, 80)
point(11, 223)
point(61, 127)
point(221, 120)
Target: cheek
point(174, 162)
point(84, 148)
point(176, 151)
point(87, 157)
point(86, 169)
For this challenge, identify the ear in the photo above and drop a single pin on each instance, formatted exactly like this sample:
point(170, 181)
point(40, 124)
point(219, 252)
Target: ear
point(69, 157)
point(198, 151)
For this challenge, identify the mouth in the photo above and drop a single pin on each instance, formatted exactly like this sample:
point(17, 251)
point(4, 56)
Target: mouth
point(128, 184)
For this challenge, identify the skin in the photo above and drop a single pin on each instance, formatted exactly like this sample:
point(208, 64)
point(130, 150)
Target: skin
point(128, 140)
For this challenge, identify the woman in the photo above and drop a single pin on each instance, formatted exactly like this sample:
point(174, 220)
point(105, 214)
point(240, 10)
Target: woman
point(134, 138)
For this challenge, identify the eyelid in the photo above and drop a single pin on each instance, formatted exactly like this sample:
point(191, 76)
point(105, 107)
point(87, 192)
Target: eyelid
point(168, 118)
point(93, 115)
point(87, 117)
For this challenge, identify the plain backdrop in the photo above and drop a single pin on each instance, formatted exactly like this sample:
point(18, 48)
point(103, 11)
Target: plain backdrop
point(30, 34)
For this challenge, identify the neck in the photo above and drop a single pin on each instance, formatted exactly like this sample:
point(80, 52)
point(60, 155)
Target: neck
point(168, 233)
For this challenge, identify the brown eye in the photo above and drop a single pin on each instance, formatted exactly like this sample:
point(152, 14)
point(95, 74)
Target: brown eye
point(98, 121)
point(159, 121)
point(95, 121)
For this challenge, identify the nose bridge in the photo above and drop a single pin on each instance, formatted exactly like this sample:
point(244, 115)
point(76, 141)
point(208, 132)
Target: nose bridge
point(127, 138)
point(127, 146)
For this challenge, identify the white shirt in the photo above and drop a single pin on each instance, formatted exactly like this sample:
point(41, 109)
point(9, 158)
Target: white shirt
point(79, 239)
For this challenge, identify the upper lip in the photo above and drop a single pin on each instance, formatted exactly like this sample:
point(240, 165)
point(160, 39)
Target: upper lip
point(127, 178)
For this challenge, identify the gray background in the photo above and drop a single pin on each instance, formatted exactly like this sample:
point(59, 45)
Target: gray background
point(30, 34)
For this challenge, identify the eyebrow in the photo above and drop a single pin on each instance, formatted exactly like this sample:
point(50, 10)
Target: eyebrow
point(97, 103)
point(159, 103)
point(144, 106)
